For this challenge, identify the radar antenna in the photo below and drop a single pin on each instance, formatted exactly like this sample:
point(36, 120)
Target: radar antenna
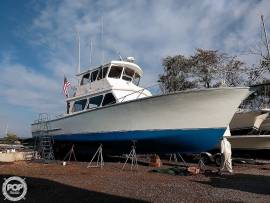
point(120, 57)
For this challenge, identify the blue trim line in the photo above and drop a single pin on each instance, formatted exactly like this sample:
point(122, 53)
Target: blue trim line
point(181, 140)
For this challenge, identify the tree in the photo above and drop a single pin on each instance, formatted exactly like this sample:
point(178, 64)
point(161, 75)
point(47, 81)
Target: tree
point(262, 50)
point(233, 72)
point(205, 69)
point(11, 138)
point(176, 74)
point(205, 64)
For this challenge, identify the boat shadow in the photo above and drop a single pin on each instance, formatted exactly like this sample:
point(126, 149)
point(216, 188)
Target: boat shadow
point(44, 190)
point(258, 184)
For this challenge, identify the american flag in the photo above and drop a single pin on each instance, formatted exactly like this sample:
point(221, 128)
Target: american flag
point(66, 86)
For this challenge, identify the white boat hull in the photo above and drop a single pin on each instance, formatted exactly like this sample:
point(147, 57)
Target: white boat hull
point(250, 142)
point(187, 121)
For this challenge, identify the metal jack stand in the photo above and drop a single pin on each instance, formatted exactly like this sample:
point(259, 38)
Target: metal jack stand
point(133, 157)
point(201, 165)
point(70, 153)
point(174, 156)
point(100, 161)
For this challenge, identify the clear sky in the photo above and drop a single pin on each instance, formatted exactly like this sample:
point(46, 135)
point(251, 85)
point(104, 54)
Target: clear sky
point(37, 43)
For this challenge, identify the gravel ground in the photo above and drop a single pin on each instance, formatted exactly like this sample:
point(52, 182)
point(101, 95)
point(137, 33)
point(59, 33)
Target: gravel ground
point(76, 183)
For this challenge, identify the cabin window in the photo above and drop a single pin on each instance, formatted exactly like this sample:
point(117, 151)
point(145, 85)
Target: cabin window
point(80, 105)
point(94, 75)
point(128, 74)
point(95, 102)
point(102, 73)
point(108, 99)
point(115, 72)
point(85, 79)
point(136, 79)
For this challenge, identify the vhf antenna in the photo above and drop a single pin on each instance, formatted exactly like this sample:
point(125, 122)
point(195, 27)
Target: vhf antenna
point(79, 52)
point(6, 129)
point(102, 44)
point(91, 50)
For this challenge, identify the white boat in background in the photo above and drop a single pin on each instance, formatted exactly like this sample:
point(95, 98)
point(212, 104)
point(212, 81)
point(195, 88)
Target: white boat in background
point(110, 108)
point(250, 131)
point(243, 122)
point(250, 142)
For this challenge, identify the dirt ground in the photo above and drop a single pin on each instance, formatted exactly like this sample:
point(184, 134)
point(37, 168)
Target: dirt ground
point(77, 183)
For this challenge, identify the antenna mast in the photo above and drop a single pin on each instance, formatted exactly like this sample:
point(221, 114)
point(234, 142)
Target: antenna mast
point(79, 51)
point(91, 50)
point(7, 130)
point(102, 44)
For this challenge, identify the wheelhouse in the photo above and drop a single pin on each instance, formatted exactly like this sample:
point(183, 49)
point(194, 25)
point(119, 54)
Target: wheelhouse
point(122, 71)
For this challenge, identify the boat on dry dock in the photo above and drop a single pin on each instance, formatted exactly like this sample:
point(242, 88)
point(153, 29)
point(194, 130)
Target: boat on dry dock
point(110, 107)
point(250, 132)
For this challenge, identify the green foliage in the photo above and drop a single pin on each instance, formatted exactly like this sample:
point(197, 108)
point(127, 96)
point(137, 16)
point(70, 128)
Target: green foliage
point(11, 138)
point(205, 65)
point(204, 69)
point(176, 74)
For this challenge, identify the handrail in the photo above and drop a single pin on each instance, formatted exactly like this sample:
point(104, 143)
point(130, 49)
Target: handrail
point(144, 88)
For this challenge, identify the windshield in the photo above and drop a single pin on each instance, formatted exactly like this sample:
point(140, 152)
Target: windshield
point(136, 79)
point(128, 74)
point(115, 72)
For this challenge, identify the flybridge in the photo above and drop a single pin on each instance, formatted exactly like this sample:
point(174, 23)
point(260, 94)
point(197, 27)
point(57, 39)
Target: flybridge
point(107, 84)
point(128, 64)
point(119, 72)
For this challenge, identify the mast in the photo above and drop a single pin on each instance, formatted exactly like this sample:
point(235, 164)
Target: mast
point(91, 50)
point(7, 130)
point(102, 44)
point(79, 52)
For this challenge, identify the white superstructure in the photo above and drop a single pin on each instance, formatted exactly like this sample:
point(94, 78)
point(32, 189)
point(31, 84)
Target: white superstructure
point(114, 82)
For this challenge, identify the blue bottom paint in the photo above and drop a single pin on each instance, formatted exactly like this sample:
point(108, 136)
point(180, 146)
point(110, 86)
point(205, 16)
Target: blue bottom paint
point(153, 141)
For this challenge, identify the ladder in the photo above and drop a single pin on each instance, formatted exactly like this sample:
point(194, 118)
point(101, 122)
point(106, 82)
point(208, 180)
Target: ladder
point(44, 141)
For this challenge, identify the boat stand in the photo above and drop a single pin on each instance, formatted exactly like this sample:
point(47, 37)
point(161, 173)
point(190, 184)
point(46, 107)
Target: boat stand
point(100, 161)
point(201, 165)
point(69, 154)
point(133, 157)
point(174, 156)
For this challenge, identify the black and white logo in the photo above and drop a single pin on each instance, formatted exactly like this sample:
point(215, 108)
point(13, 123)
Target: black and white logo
point(14, 188)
